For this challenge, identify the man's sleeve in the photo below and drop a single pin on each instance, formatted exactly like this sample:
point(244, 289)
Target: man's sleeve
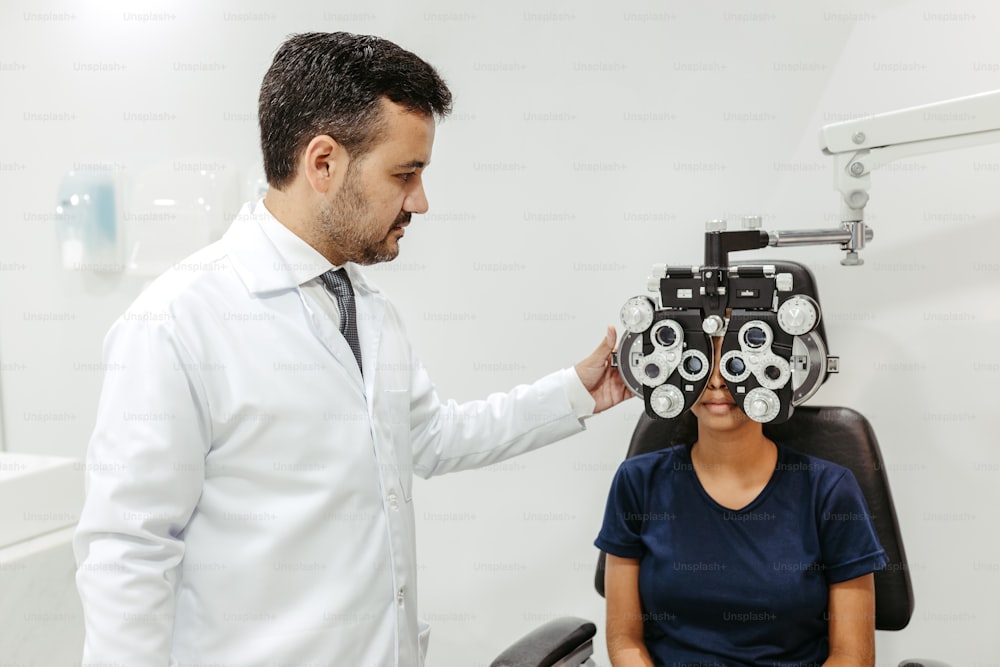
point(449, 436)
point(144, 473)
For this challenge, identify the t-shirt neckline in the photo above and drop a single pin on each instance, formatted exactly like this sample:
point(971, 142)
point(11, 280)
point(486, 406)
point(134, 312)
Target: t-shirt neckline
point(749, 507)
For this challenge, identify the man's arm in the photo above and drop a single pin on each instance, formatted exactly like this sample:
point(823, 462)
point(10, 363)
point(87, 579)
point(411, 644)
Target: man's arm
point(144, 475)
point(626, 647)
point(449, 436)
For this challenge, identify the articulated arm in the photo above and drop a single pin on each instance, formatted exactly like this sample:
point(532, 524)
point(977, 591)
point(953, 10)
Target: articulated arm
point(863, 145)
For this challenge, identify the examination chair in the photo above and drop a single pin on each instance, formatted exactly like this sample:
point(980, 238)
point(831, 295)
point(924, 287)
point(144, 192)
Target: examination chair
point(840, 435)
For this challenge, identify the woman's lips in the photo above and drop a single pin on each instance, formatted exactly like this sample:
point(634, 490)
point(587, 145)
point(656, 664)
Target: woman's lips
point(719, 407)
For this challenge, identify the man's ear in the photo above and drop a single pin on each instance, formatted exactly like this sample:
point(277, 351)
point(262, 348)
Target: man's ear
point(324, 163)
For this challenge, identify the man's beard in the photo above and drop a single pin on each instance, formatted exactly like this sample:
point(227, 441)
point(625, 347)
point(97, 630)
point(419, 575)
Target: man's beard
point(348, 224)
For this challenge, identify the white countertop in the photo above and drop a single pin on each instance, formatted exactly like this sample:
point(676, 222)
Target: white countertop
point(38, 495)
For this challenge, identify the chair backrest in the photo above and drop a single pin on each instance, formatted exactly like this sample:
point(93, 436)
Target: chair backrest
point(845, 437)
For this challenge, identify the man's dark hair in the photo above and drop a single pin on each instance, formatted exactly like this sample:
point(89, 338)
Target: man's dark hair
point(333, 83)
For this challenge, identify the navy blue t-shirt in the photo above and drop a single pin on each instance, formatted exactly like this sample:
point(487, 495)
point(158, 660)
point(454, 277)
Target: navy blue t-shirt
point(745, 587)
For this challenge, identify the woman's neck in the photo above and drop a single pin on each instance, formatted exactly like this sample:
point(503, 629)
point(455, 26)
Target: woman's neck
point(734, 469)
point(739, 450)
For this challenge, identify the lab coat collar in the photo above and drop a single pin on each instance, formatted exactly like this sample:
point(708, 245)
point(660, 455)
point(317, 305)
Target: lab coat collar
point(260, 263)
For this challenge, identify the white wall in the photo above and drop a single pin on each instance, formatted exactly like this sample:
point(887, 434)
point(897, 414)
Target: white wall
point(589, 141)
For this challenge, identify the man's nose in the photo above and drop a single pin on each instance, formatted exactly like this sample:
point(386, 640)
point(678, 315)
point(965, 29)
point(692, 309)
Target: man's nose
point(416, 200)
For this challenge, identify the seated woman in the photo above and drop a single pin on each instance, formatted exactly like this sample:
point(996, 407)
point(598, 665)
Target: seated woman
point(736, 551)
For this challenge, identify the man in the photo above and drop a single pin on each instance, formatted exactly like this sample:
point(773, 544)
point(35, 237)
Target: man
point(250, 495)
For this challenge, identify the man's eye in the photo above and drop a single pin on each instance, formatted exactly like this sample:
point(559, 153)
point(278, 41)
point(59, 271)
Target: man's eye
point(405, 177)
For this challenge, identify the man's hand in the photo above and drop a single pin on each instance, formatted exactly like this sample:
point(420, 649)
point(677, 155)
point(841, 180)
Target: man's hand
point(603, 382)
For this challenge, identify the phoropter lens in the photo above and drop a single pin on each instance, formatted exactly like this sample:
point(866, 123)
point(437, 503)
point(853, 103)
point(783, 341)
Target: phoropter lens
point(735, 366)
point(666, 336)
point(693, 365)
point(755, 337)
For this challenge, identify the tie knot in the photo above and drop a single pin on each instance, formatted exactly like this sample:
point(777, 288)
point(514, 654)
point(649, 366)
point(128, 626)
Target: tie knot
point(338, 282)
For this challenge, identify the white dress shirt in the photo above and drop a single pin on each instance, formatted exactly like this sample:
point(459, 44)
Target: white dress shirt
point(248, 489)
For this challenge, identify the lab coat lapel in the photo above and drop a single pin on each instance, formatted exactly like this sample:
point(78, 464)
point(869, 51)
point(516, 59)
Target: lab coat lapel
point(329, 335)
point(371, 314)
point(263, 271)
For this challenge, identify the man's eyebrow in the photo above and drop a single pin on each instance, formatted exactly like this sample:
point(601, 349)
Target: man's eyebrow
point(412, 164)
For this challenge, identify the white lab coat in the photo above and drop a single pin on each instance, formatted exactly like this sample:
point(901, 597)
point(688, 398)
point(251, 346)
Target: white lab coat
point(249, 492)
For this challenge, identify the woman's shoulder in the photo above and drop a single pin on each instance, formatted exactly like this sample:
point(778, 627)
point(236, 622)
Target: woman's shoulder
point(818, 470)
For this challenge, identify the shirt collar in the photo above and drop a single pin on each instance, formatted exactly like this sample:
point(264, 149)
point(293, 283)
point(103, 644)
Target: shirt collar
point(293, 262)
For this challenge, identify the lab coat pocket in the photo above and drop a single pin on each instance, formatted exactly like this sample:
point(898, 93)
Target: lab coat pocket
point(397, 427)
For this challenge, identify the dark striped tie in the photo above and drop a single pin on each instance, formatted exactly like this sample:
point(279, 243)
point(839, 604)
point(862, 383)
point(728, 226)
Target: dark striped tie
point(338, 283)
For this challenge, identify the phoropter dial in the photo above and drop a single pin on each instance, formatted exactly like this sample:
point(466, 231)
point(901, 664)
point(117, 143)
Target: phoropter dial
point(637, 314)
point(667, 401)
point(761, 405)
point(798, 315)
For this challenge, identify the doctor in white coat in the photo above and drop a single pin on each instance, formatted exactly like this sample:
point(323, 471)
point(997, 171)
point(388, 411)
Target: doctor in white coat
point(249, 475)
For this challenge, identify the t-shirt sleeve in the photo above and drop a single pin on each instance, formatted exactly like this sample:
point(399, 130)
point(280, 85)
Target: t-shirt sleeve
point(849, 543)
point(621, 531)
